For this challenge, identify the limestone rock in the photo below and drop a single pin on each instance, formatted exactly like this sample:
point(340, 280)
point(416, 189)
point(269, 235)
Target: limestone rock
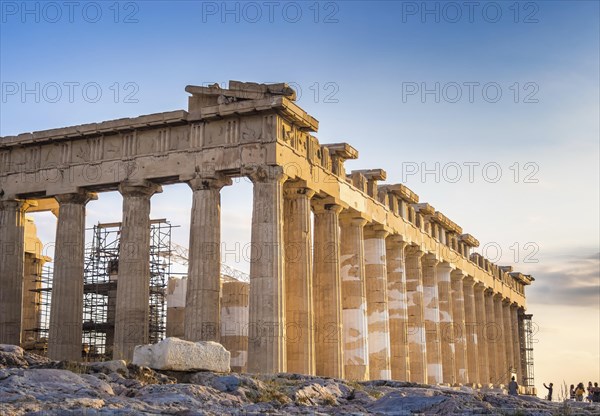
point(180, 355)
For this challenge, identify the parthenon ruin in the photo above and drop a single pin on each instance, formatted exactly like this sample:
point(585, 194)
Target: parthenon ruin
point(378, 286)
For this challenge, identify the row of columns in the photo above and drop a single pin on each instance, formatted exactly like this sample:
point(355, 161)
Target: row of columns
point(350, 301)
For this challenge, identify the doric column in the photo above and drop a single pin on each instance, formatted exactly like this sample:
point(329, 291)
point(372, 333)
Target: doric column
point(416, 320)
point(501, 364)
point(471, 330)
point(202, 308)
point(354, 297)
point(460, 338)
point(234, 323)
point(446, 323)
point(132, 311)
point(266, 334)
point(508, 341)
point(492, 336)
point(514, 321)
point(397, 308)
point(480, 314)
point(31, 296)
point(432, 319)
point(300, 342)
point(327, 293)
point(377, 304)
point(66, 309)
point(12, 232)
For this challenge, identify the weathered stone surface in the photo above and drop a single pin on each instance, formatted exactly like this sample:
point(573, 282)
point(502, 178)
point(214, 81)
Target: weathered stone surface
point(180, 355)
point(53, 389)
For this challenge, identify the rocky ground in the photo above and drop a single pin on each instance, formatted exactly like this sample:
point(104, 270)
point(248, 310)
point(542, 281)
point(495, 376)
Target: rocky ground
point(34, 385)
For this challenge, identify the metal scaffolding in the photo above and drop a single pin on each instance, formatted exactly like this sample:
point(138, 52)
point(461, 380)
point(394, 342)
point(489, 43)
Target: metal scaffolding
point(526, 342)
point(42, 299)
point(101, 280)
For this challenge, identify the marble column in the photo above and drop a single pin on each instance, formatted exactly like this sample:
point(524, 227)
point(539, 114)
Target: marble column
point(31, 296)
point(514, 320)
point(397, 308)
point(492, 336)
point(12, 234)
point(432, 319)
point(480, 313)
point(300, 342)
point(327, 291)
point(446, 323)
point(377, 304)
point(202, 303)
point(508, 341)
point(266, 332)
point(471, 330)
point(458, 315)
point(132, 310)
point(234, 323)
point(501, 364)
point(416, 315)
point(66, 309)
point(354, 297)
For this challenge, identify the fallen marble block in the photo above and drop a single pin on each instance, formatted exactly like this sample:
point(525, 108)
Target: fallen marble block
point(179, 355)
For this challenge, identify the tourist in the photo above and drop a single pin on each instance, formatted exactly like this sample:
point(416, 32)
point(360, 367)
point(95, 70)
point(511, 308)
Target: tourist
point(572, 392)
point(550, 389)
point(596, 393)
point(513, 387)
point(579, 392)
point(589, 390)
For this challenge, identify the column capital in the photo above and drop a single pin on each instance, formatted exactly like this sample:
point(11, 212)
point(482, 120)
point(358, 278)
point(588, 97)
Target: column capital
point(445, 266)
point(297, 189)
point(264, 173)
point(396, 240)
point(469, 280)
point(139, 188)
point(214, 181)
point(350, 218)
point(479, 286)
point(431, 257)
point(498, 296)
point(458, 274)
point(80, 198)
point(375, 231)
point(326, 204)
point(14, 204)
point(414, 250)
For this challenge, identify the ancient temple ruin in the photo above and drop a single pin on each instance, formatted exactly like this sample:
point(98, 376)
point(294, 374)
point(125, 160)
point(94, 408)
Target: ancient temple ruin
point(379, 286)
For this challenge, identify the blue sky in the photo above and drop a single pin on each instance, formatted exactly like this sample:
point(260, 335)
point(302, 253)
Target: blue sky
point(365, 59)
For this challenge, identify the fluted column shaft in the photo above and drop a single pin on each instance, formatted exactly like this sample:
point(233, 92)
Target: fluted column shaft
point(12, 232)
point(377, 304)
point(480, 314)
point(31, 296)
point(514, 320)
point(327, 291)
point(416, 320)
point(446, 323)
point(202, 303)
point(354, 297)
point(460, 338)
point(397, 308)
point(234, 323)
point(66, 310)
point(471, 330)
point(501, 364)
point(133, 285)
point(432, 319)
point(492, 336)
point(266, 335)
point(300, 342)
point(508, 341)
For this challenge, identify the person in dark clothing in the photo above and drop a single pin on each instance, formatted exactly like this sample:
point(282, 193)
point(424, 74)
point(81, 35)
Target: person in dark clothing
point(550, 390)
point(513, 387)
